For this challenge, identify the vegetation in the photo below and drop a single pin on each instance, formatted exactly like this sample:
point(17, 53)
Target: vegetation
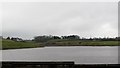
point(81, 43)
point(75, 40)
point(41, 41)
point(10, 44)
point(72, 37)
point(0, 43)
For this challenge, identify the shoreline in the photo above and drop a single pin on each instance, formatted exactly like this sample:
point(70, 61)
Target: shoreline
point(61, 46)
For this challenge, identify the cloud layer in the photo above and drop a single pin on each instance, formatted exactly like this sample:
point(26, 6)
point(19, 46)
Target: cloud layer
point(27, 20)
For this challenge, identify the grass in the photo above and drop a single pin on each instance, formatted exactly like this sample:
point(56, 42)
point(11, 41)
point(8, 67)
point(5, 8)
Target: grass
point(81, 43)
point(0, 43)
point(9, 44)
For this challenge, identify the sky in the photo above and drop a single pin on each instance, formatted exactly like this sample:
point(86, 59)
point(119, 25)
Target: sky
point(86, 19)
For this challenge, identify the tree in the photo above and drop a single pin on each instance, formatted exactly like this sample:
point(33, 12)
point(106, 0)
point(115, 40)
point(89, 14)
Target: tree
point(56, 37)
point(42, 38)
point(71, 37)
point(8, 38)
point(12, 38)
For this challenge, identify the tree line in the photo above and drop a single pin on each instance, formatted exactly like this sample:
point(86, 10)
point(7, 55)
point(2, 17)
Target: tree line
point(46, 38)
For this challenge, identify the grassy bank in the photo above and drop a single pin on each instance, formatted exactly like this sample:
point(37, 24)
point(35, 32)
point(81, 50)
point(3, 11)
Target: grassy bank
point(0, 43)
point(81, 43)
point(9, 44)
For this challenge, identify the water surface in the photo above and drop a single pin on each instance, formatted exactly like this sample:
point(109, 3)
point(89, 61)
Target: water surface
point(78, 54)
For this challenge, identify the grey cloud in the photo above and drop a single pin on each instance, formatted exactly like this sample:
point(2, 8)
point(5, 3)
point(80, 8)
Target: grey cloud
point(85, 19)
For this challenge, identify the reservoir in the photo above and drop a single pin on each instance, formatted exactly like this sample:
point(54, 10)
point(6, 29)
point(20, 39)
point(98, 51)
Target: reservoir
point(78, 54)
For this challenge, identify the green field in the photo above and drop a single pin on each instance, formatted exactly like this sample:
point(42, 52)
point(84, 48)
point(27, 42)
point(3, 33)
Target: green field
point(81, 43)
point(9, 44)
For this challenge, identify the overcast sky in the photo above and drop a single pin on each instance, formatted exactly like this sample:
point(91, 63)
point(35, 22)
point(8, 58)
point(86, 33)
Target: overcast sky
point(87, 19)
